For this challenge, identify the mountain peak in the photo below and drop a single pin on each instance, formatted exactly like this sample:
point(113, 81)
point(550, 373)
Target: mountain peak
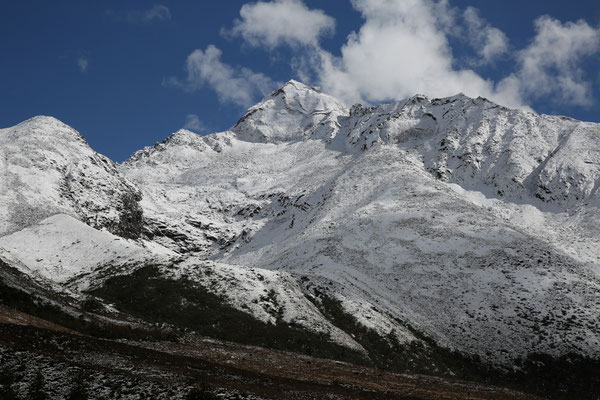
point(52, 171)
point(43, 127)
point(43, 119)
point(295, 91)
point(293, 112)
point(293, 86)
point(183, 136)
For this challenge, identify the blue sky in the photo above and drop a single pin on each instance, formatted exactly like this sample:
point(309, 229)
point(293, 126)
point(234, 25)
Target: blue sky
point(127, 74)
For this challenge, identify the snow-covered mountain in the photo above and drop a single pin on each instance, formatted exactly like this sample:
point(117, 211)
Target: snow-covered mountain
point(47, 168)
point(452, 220)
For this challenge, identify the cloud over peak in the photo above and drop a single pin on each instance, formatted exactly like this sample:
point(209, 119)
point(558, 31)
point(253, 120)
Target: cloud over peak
point(401, 49)
point(82, 64)
point(489, 42)
point(279, 22)
point(237, 85)
point(550, 65)
point(194, 123)
point(156, 13)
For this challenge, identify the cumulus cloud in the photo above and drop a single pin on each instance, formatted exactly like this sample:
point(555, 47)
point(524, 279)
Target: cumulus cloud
point(279, 22)
point(489, 42)
point(238, 85)
point(550, 65)
point(194, 123)
point(158, 12)
point(82, 63)
point(401, 49)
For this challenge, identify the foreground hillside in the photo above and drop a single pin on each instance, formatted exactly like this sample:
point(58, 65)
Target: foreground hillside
point(450, 237)
point(56, 362)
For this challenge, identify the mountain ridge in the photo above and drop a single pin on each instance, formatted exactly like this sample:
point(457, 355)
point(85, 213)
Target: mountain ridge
point(450, 223)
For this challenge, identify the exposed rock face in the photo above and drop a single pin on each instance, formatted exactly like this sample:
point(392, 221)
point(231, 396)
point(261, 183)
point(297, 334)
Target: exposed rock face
point(131, 221)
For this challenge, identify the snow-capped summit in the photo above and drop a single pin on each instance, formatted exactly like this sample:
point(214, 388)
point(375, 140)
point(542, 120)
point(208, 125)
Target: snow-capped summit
point(293, 112)
point(43, 128)
point(184, 137)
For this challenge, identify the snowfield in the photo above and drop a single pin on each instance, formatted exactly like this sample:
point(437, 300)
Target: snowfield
point(63, 249)
point(474, 224)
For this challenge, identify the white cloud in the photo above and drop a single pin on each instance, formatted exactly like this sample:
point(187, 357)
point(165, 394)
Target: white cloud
point(489, 42)
point(233, 85)
point(158, 12)
point(550, 65)
point(282, 21)
point(193, 123)
point(82, 63)
point(402, 49)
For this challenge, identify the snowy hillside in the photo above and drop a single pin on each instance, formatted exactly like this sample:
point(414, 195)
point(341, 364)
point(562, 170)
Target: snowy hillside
point(455, 219)
point(446, 214)
point(63, 249)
